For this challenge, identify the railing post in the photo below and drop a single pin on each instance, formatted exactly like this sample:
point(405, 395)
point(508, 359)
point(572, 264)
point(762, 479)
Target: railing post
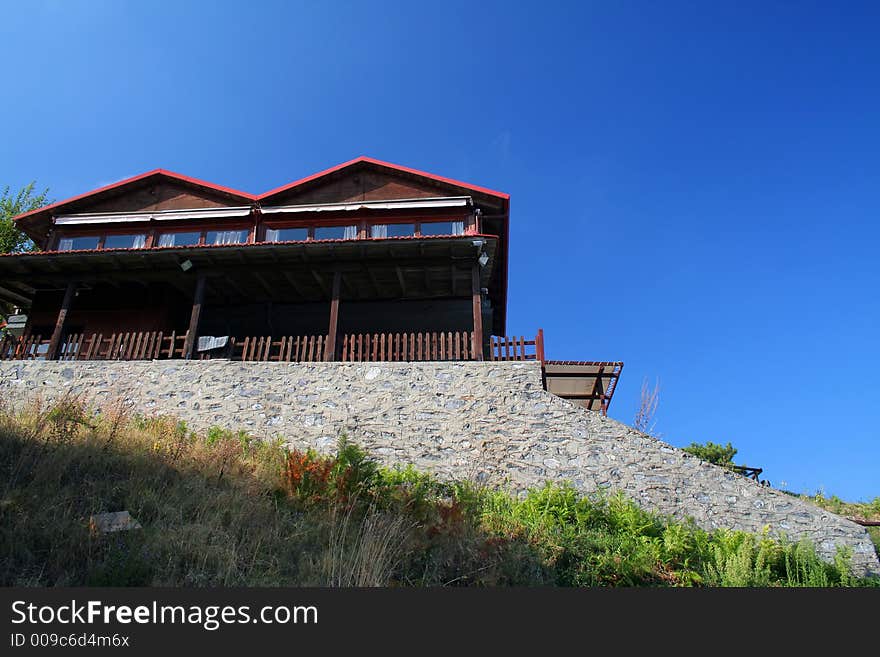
point(330, 345)
point(198, 299)
point(539, 346)
point(477, 307)
point(52, 351)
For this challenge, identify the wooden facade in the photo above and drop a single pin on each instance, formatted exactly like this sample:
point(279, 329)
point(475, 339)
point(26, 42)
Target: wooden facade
point(365, 261)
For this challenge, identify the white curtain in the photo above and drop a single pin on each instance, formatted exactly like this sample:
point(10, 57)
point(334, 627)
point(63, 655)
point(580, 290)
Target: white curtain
point(351, 233)
point(228, 237)
point(379, 230)
point(65, 245)
point(140, 241)
point(458, 228)
point(166, 240)
point(272, 235)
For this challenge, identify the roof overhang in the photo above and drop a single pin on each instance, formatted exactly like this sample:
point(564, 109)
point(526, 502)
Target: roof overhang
point(391, 268)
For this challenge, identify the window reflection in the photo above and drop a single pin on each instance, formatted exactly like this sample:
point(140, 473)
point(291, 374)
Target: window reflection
point(179, 239)
point(287, 234)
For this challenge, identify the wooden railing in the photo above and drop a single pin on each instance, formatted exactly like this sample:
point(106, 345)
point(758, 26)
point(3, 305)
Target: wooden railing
point(408, 346)
point(140, 345)
point(357, 347)
point(27, 347)
point(505, 347)
point(288, 349)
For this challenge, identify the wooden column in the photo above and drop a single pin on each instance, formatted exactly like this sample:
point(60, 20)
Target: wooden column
point(477, 303)
point(52, 352)
point(198, 299)
point(330, 345)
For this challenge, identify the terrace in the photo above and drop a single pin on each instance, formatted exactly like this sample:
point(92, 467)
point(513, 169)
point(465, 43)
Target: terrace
point(589, 384)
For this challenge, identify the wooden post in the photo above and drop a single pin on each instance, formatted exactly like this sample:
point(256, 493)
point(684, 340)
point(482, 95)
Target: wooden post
point(330, 346)
point(477, 303)
point(198, 299)
point(52, 351)
point(539, 346)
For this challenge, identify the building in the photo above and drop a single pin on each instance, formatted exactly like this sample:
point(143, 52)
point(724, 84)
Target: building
point(366, 261)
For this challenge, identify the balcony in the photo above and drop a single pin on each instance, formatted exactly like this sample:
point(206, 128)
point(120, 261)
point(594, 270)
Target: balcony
point(590, 384)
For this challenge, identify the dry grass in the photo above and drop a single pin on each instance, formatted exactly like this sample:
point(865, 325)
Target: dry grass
point(649, 398)
point(364, 549)
point(209, 513)
point(216, 509)
point(220, 509)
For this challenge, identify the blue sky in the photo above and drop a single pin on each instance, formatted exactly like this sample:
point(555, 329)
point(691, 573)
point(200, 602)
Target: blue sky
point(695, 187)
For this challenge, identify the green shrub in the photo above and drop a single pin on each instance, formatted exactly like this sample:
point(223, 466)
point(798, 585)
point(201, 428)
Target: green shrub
point(709, 451)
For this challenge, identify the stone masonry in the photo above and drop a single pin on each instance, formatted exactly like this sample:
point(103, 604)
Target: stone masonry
point(491, 422)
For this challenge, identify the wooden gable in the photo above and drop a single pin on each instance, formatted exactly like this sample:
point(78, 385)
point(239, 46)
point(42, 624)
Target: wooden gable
point(360, 184)
point(161, 194)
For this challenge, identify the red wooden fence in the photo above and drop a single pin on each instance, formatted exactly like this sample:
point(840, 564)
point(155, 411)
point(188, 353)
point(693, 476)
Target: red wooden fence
point(504, 347)
point(142, 345)
point(359, 347)
point(288, 349)
point(407, 346)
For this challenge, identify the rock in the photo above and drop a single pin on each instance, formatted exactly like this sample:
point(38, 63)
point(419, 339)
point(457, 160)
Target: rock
point(115, 521)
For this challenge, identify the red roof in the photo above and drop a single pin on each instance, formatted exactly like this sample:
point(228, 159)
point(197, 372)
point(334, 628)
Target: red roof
point(143, 176)
point(244, 196)
point(386, 165)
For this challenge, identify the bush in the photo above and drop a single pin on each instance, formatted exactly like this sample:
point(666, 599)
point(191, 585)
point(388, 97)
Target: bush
point(718, 454)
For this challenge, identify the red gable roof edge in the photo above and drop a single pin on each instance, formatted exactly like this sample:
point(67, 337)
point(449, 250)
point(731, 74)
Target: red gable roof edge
point(155, 172)
point(388, 165)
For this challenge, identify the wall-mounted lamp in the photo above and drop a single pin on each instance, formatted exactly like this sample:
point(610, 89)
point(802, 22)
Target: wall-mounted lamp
point(479, 243)
point(483, 259)
point(186, 265)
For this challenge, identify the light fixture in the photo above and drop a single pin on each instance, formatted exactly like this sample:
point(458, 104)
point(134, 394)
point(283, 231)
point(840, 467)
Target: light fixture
point(186, 265)
point(479, 243)
point(483, 259)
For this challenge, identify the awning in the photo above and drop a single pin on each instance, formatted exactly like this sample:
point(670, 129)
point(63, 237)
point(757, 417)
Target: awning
point(156, 215)
point(398, 204)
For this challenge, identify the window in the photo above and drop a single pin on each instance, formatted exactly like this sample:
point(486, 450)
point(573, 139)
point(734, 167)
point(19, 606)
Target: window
point(336, 233)
point(392, 230)
point(226, 237)
point(179, 239)
point(125, 241)
point(77, 243)
point(287, 234)
point(443, 228)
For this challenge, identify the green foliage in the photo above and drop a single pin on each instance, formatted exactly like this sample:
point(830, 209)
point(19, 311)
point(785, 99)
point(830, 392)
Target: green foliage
point(13, 240)
point(865, 510)
point(219, 508)
point(709, 451)
point(11, 205)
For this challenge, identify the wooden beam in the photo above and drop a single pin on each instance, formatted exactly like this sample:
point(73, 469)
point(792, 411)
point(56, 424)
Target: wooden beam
point(320, 281)
point(52, 352)
point(16, 298)
point(198, 299)
point(350, 290)
point(292, 280)
point(266, 287)
point(20, 286)
point(372, 277)
point(400, 280)
point(477, 306)
point(330, 346)
point(229, 280)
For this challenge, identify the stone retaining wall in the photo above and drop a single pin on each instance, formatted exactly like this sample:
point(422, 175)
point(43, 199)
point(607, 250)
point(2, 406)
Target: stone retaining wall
point(491, 422)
